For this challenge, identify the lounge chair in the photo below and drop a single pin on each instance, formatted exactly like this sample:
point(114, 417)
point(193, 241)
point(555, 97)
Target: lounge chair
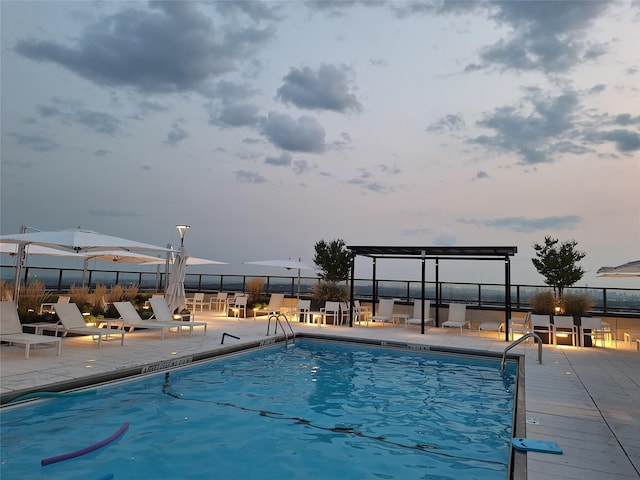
point(72, 321)
point(384, 313)
point(275, 304)
point(51, 307)
point(416, 316)
point(132, 320)
point(11, 330)
point(162, 314)
point(457, 316)
point(492, 326)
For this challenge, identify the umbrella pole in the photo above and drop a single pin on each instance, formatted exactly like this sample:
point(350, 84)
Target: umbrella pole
point(298, 284)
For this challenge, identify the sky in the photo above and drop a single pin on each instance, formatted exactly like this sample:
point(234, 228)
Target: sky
point(269, 126)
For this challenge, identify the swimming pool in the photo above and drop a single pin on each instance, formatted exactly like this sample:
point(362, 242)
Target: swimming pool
point(318, 410)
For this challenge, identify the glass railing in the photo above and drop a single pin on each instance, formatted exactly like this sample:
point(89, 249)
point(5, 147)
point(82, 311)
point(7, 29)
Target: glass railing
point(605, 300)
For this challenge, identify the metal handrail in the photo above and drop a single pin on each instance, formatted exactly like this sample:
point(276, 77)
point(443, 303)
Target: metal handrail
point(276, 318)
point(518, 342)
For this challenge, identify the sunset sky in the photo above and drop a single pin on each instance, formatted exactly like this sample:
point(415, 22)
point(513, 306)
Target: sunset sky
point(268, 126)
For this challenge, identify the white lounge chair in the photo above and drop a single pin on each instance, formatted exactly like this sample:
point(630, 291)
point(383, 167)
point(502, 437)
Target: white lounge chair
point(384, 313)
point(11, 330)
point(492, 326)
point(72, 321)
point(132, 320)
point(162, 313)
point(275, 304)
point(457, 316)
point(416, 316)
point(51, 307)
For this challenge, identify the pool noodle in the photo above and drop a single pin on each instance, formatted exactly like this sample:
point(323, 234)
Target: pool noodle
point(53, 394)
point(82, 451)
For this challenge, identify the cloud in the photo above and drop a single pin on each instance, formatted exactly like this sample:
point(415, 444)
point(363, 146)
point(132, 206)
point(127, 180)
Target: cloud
point(534, 136)
point(245, 176)
point(302, 135)
point(528, 225)
point(47, 111)
point(300, 167)
point(234, 115)
point(35, 141)
point(480, 175)
point(625, 140)
point(101, 153)
point(445, 239)
point(325, 89)
point(546, 36)
point(283, 160)
point(176, 134)
point(448, 123)
point(171, 47)
point(99, 122)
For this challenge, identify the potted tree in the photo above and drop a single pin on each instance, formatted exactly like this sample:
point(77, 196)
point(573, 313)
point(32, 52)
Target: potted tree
point(334, 260)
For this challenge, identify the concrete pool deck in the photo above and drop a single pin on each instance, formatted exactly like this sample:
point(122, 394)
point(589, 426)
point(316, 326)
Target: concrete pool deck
point(586, 400)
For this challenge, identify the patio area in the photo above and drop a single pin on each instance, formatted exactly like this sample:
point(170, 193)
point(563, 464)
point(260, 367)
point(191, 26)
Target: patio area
point(586, 400)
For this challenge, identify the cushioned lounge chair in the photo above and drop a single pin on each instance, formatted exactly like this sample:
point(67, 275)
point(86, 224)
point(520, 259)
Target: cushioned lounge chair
point(416, 316)
point(72, 321)
point(384, 313)
point(11, 330)
point(132, 320)
point(162, 313)
point(457, 316)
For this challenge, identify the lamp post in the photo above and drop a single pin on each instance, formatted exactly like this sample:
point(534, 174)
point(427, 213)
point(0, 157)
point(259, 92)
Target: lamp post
point(182, 229)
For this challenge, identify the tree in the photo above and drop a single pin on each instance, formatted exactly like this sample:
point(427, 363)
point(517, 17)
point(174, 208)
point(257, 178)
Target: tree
point(558, 263)
point(334, 260)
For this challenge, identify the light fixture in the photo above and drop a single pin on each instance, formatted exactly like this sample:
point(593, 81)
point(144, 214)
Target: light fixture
point(182, 229)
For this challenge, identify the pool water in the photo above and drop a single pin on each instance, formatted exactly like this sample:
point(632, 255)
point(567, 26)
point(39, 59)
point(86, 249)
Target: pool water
point(315, 410)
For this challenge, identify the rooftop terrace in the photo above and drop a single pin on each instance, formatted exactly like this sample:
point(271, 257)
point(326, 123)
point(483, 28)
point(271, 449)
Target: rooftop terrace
point(585, 399)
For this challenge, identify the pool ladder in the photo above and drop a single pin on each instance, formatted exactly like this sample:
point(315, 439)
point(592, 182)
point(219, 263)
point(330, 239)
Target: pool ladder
point(518, 342)
point(276, 318)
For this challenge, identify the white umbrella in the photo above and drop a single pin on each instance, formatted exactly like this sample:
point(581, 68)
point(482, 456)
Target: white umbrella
point(288, 264)
point(175, 294)
point(630, 269)
point(72, 240)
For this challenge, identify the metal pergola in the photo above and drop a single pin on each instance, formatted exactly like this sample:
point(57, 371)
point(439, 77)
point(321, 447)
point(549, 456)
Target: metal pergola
point(434, 253)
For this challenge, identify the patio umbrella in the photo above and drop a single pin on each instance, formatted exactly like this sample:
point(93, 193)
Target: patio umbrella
point(175, 294)
point(630, 269)
point(72, 240)
point(288, 264)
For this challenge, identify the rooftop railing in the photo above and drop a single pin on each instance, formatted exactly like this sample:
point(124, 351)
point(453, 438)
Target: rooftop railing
point(484, 295)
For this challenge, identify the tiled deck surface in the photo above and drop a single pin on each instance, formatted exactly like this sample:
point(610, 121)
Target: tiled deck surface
point(586, 400)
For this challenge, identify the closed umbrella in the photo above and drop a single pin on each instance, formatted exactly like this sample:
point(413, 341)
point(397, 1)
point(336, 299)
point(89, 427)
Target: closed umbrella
point(288, 264)
point(175, 295)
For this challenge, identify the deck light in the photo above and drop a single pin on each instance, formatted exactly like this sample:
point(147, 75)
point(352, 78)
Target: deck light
point(182, 229)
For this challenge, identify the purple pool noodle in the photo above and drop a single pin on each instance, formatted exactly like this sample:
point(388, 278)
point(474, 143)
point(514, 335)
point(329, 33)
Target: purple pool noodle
point(82, 451)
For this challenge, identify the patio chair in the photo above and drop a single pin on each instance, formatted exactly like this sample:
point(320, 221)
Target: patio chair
point(11, 330)
point(239, 306)
point(301, 311)
point(51, 307)
point(72, 321)
point(595, 327)
point(361, 313)
point(542, 324)
point(219, 302)
point(162, 313)
point(457, 316)
point(519, 325)
point(331, 309)
point(196, 301)
point(275, 303)
point(384, 313)
point(131, 319)
point(416, 315)
point(563, 325)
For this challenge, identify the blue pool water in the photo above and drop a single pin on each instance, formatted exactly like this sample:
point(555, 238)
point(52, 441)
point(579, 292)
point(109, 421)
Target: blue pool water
point(315, 410)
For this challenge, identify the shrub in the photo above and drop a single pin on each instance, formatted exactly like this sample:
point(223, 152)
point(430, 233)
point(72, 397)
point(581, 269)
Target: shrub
point(115, 294)
point(543, 302)
point(31, 296)
point(130, 292)
point(99, 296)
point(81, 297)
point(576, 304)
point(329, 291)
point(6, 290)
point(254, 290)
